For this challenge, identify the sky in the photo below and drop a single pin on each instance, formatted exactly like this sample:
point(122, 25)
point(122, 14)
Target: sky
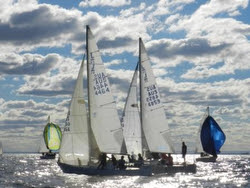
point(199, 51)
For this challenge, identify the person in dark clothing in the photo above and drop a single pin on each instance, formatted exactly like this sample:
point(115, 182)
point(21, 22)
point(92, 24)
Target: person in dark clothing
point(184, 151)
point(155, 155)
point(121, 163)
point(170, 160)
point(103, 161)
point(140, 160)
point(163, 158)
point(114, 161)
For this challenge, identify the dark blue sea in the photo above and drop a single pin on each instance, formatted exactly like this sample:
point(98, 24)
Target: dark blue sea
point(28, 170)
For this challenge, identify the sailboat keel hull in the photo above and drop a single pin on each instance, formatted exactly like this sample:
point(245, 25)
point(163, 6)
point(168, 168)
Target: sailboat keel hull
point(94, 171)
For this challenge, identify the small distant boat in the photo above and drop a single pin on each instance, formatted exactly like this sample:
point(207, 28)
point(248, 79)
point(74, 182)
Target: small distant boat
point(146, 130)
point(50, 144)
point(87, 134)
point(212, 139)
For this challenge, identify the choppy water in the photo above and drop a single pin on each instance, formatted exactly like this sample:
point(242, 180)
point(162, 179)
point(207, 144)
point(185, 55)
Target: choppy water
point(28, 170)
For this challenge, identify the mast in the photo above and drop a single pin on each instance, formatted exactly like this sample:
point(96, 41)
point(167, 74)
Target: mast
point(208, 111)
point(140, 81)
point(89, 119)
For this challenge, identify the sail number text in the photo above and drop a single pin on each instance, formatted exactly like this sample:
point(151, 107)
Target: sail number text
point(153, 96)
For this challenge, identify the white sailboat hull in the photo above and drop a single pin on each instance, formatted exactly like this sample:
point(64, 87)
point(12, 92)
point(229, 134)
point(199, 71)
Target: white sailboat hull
point(94, 171)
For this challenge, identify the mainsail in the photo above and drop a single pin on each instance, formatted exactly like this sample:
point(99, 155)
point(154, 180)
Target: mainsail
point(75, 141)
point(132, 129)
point(211, 135)
point(153, 116)
point(103, 114)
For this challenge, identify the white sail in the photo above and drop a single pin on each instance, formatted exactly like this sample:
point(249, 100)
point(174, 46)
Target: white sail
point(104, 118)
point(131, 119)
point(42, 146)
point(153, 116)
point(75, 142)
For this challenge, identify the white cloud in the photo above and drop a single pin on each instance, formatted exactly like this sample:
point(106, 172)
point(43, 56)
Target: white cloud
point(115, 62)
point(111, 3)
point(26, 27)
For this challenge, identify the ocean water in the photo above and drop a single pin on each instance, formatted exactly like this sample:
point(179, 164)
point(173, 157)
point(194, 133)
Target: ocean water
point(28, 170)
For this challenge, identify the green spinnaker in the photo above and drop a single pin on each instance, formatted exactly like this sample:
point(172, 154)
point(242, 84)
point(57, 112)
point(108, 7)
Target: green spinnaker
point(52, 136)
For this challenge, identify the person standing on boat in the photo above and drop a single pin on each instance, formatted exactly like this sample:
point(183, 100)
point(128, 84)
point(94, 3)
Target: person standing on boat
point(121, 163)
point(170, 160)
point(140, 160)
point(184, 151)
point(103, 161)
point(164, 158)
point(114, 161)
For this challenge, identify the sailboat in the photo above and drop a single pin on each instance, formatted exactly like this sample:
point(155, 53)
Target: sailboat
point(87, 134)
point(52, 136)
point(147, 129)
point(212, 139)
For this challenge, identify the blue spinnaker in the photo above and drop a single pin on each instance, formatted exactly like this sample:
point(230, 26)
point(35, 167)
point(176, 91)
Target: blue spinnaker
point(212, 137)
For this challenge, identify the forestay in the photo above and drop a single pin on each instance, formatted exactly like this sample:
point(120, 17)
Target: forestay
point(75, 142)
point(153, 117)
point(104, 119)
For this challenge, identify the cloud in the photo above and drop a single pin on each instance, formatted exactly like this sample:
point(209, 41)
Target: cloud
point(116, 43)
point(215, 7)
point(37, 25)
point(30, 113)
point(111, 3)
point(50, 75)
point(56, 85)
point(186, 47)
point(27, 64)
